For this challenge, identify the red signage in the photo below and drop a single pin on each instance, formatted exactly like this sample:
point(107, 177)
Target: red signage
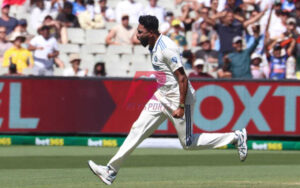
point(110, 106)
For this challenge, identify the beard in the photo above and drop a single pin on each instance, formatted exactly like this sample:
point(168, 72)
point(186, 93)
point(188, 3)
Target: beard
point(144, 41)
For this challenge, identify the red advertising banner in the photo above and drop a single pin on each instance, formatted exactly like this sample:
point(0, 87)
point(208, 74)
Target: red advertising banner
point(110, 106)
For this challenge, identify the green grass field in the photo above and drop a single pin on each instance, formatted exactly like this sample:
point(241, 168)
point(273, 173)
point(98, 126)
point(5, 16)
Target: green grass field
point(66, 167)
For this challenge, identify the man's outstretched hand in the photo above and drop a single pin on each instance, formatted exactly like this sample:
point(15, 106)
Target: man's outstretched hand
point(178, 113)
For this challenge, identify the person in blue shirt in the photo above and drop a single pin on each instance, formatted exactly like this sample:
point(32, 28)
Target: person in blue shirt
point(277, 58)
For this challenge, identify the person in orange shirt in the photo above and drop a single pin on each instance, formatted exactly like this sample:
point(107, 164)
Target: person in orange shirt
point(18, 55)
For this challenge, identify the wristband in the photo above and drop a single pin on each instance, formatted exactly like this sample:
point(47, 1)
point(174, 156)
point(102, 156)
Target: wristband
point(181, 105)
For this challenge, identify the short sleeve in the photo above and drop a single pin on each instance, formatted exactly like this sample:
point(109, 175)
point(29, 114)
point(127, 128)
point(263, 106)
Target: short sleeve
point(172, 58)
point(33, 41)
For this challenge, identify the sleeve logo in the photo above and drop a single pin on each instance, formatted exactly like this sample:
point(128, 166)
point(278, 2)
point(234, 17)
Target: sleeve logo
point(174, 60)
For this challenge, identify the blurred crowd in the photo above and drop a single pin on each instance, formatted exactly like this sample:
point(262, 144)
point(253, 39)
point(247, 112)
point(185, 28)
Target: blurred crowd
point(245, 39)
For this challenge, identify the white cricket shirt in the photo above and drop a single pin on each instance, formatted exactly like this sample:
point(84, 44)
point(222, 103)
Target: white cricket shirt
point(166, 59)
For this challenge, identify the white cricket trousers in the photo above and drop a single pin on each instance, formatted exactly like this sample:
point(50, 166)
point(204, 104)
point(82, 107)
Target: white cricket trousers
point(152, 116)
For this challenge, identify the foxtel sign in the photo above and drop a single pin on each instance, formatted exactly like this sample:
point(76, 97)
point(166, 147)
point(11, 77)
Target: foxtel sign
point(110, 106)
point(268, 108)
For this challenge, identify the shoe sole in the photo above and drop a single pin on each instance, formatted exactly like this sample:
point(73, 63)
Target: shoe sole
point(99, 176)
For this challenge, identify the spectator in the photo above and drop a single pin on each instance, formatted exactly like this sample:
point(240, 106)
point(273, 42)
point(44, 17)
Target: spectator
point(190, 57)
point(21, 29)
point(99, 69)
point(198, 70)
point(18, 55)
point(277, 58)
point(201, 28)
point(12, 71)
point(154, 10)
point(45, 50)
point(238, 61)
point(107, 12)
point(176, 36)
point(75, 70)
point(53, 25)
point(288, 5)
point(89, 19)
point(165, 27)
point(228, 28)
point(39, 12)
point(250, 38)
point(78, 7)
point(277, 25)
point(121, 34)
point(185, 17)
point(66, 18)
point(257, 70)
point(4, 45)
point(9, 22)
point(209, 56)
point(131, 8)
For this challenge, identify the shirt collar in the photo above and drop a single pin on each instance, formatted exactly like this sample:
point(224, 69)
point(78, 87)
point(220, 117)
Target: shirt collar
point(156, 44)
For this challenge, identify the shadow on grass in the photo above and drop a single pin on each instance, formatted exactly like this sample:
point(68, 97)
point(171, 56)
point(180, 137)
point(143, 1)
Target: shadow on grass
point(58, 162)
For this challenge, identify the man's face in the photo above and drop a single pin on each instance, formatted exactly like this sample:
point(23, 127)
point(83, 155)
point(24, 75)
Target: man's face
point(102, 3)
point(277, 53)
point(45, 33)
point(214, 4)
point(291, 27)
point(199, 68)
point(229, 17)
point(237, 46)
point(5, 10)
point(143, 35)
point(256, 61)
point(153, 3)
point(18, 42)
point(76, 64)
point(206, 45)
point(2, 33)
point(125, 21)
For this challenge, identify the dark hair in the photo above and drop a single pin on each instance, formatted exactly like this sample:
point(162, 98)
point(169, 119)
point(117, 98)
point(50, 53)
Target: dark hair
point(44, 27)
point(102, 72)
point(67, 4)
point(149, 22)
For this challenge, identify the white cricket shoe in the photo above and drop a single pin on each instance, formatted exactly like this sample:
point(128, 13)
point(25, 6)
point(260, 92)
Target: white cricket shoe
point(242, 143)
point(105, 173)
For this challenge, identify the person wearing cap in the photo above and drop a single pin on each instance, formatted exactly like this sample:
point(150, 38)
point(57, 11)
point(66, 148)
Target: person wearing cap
point(198, 70)
point(121, 34)
point(238, 62)
point(166, 27)
point(45, 50)
point(18, 55)
point(200, 28)
point(176, 35)
point(277, 57)
point(257, 70)
point(209, 56)
point(4, 44)
point(228, 28)
point(9, 22)
point(21, 29)
point(75, 69)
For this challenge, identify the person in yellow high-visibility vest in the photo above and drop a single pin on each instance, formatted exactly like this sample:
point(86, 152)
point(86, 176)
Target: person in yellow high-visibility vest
point(18, 55)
